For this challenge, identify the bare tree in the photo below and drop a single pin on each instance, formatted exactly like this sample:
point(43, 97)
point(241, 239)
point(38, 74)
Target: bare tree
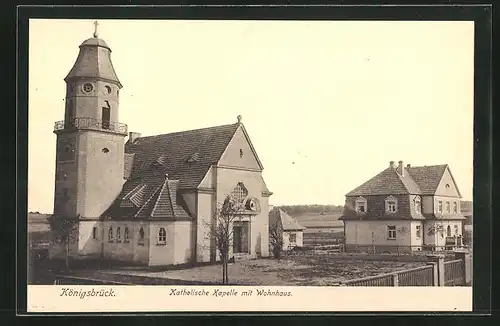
point(62, 229)
point(276, 238)
point(221, 231)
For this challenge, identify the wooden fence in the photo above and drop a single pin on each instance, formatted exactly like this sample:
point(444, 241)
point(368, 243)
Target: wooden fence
point(438, 272)
point(419, 276)
point(454, 273)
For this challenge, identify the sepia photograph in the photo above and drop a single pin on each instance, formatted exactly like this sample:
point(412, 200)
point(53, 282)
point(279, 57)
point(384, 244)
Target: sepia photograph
point(257, 155)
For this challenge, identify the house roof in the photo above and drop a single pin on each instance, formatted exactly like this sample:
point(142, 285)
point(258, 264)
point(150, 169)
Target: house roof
point(428, 177)
point(418, 180)
point(387, 182)
point(288, 223)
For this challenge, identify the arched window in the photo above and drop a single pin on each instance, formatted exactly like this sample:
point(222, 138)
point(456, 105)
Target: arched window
point(125, 235)
point(110, 234)
point(448, 231)
point(239, 192)
point(162, 236)
point(118, 235)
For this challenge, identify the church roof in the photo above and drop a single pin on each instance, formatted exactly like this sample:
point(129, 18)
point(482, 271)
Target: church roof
point(94, 61)
point(159, 166)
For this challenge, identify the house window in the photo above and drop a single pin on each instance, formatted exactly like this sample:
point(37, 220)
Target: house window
point(125, 235)
point(141, 236)
point(239, 192)
point(361, 205)
point(418, 232)
point(162, 236)
point(418, 208)
point(118, 235)
point(241, 153)
point(440, 206)
point(455, 207)
point(391, 232)
point(391, 205)
point(94, 233)
point(455, 229)
point(447, 207)
point(448, 231)
point(293, 238)
point(110, 234)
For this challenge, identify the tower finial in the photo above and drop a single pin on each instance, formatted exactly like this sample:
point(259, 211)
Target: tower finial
point(239, 118)
point(95, 28)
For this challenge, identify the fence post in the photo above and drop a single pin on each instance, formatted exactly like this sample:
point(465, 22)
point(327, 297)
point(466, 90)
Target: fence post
point(395, 279)
point(464, 256)
point(435, 275)
point(439, 276)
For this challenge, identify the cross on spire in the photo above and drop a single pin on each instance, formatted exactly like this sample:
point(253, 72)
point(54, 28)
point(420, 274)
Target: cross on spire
point(95, 28)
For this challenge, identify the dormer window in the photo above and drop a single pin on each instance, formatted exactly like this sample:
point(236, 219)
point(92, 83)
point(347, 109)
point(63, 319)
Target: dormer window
point(418, 207)
point(391, 205)
point(361, 205)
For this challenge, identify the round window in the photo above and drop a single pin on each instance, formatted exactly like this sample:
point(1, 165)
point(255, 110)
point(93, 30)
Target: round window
point(88, 87)
point(108, 89)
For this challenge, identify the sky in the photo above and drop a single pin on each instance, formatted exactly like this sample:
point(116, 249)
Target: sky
point(326, 104)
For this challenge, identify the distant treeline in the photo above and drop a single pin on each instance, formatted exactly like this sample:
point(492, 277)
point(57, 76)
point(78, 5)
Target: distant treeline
point(315, 209)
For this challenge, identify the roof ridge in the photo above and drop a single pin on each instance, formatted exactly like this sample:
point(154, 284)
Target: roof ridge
point(163, 185)
point(149, 199)
point(170, 198)
point(190, 130)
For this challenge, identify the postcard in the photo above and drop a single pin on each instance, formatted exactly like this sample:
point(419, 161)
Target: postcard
point(250, 165)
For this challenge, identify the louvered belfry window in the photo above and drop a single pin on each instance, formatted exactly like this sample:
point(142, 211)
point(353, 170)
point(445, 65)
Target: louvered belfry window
point(239, 192)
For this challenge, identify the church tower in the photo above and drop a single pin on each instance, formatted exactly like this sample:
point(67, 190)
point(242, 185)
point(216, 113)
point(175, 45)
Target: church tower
point(90, 140)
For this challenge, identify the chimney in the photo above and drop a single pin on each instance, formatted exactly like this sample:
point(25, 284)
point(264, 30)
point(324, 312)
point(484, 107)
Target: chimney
point(391, 164)
point(408, 166)
point(132, 136)
point(401, 169)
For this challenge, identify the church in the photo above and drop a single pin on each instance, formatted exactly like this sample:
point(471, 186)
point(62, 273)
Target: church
point(149, 200)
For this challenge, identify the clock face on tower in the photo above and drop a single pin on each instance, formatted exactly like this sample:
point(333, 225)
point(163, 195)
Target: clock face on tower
point(88, 87)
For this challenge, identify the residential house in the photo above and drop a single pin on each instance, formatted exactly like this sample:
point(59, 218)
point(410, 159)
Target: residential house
point(404, 208)
point(150, 200)
point(291, 231)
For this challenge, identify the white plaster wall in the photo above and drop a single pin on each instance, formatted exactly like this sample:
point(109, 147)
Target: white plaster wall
point(205, 219)
point(87, 246)
point(183, 242)
point(360, 233)
point(160, 254)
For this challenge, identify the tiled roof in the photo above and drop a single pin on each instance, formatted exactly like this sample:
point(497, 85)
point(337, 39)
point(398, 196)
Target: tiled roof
point(323, 224)
point(158, 166)
point(418, 180)
point(170, 153)
point(288, 223)
point(387, 182)
point(427, 177)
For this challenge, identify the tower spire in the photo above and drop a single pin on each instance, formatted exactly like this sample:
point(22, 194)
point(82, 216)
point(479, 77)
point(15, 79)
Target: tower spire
point(96, 23)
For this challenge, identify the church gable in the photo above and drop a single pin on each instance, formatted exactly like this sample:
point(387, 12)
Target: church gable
point(240, 152)
point(447, 186)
